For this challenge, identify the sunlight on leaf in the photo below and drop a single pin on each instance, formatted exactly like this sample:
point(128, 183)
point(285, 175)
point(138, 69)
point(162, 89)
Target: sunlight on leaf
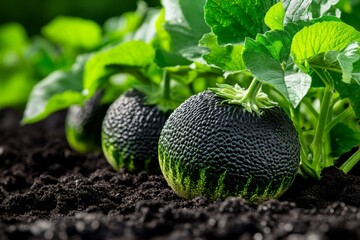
point(274, 18)
point(321, 38)
point(297, 85)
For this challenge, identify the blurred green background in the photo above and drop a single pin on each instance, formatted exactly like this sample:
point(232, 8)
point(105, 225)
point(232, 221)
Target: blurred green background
point(36, 13)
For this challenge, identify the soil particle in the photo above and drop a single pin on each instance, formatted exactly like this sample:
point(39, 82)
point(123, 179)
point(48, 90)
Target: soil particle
point(47, 191)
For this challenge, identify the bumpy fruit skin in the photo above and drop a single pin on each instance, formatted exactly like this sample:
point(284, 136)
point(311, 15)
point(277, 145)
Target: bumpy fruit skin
point(130, 133)
point(83, 125)
point(217, 150)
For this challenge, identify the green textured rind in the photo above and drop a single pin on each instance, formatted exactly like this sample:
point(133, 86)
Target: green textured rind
point(130, 133)
point(80, 143)
point(213, 185)
point(83, 125)
point(217, 150)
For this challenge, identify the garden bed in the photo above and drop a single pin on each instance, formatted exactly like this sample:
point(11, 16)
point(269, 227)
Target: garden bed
point(47, 191)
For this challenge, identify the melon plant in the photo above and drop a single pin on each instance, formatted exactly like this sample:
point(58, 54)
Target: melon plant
point(306, 61)
point(215, 149)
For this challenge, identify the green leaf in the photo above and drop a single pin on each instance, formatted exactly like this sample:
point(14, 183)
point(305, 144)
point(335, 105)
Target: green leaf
point(350, 91)
point(264, 57)
point(343, 139)
point(346, 61)
point(268, 59)
point(274, 18)
point(57, 91)
point(184, 20)
point(320, 38)
point(309, 9)
point(233, 20)
point(296, 10)
point(228, 58)
point(297, 85)
point(132, 54)
point(73, 32)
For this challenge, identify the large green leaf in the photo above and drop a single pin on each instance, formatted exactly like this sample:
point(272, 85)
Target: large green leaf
point(184, 20)
point(228, 58)
point(336, 51)
point(320, 38)
point(233, 20)
point(133, 54)
point(268, 59)
point(73, 32)
point(57, 91)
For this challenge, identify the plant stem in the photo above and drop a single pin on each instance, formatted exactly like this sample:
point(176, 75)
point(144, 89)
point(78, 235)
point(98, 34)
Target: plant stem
point(252, 98)
point(351, 162)
point(326, 68)
point(328, 160)
point(310, 107)
point(338, 119)
point(137, 74)
point(253, 89)
point(308, 170)
point(275, 95)
point(295, 116)
point(317, 144)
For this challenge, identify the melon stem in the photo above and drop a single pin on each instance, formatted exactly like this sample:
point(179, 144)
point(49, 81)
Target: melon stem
point(252, 99)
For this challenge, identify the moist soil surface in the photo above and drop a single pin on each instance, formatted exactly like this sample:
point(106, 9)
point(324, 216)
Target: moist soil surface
point(48, 191)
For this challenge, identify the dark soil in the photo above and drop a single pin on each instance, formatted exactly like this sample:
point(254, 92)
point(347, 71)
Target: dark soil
point(47, 191)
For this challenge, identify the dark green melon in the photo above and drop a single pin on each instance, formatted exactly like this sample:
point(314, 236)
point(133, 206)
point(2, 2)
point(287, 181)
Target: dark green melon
point(130, 133)
point(217, 150)
point(83, 125)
